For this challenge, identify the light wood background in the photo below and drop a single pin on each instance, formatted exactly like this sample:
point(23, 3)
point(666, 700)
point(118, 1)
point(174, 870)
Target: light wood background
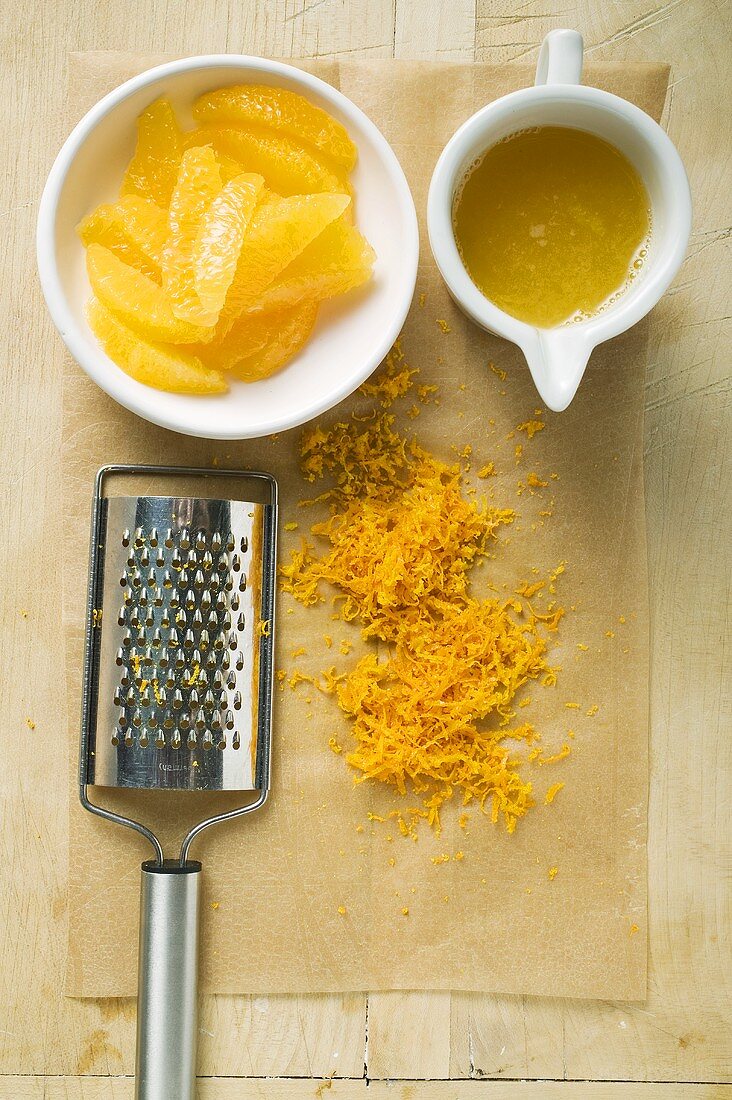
point(436, 1047)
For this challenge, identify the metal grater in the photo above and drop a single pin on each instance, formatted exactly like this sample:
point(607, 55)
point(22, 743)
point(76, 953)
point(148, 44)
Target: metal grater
point(177, 696)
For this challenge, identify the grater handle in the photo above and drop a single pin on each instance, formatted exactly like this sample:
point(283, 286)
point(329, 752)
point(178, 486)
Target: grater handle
point(167, 982)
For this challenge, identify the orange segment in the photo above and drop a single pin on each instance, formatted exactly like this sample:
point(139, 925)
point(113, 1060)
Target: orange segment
point(278, 232)
point(220, 237)
point(133, 228)
point(338, 260)
point(287, 340)
point(153, 169)
point(103, 227)
point(138, 301)
point(247, 336)
point(198, 184)
point(229, 167)
point(279, 109)
point(153, 365)
point(146, 224)
point(287, 165)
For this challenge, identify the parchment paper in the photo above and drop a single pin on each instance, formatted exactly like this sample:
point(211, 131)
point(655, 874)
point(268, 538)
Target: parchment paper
point(495, 920)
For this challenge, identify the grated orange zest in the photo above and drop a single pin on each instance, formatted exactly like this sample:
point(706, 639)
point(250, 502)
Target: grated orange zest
point(430, 714)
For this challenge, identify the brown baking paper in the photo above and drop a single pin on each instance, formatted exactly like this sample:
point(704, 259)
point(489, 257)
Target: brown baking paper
point(495, 920)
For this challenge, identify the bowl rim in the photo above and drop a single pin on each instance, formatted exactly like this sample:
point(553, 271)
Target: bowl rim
point(143, 400)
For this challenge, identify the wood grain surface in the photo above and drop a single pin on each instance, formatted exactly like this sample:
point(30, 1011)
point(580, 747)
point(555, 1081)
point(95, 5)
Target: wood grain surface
point(54, 1048)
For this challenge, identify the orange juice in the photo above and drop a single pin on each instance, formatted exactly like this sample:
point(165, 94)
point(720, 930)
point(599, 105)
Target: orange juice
point(551, 223)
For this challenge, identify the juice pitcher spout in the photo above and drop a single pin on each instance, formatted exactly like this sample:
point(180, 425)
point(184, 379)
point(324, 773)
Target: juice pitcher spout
point(557, 360)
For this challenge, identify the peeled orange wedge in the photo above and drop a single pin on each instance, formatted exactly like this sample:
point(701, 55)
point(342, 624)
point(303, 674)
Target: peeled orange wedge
point(197, 185)
point(154, 365)
point(277, 234)
point(251, 334)
point(153, 169)
point(287, 165)
point(229, 167)
point(338, 260)
point(134, 229)
point(288, 337)
point(220, 237)
point(287, 113)
point(137, 301)
point(103, 227)
point(145, 223)
point(225, 240)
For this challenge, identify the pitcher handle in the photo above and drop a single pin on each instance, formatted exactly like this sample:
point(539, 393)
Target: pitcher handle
point(560, 58)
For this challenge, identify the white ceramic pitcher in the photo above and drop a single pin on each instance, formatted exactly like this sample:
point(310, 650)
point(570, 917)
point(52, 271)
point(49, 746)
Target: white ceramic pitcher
point(557, 356)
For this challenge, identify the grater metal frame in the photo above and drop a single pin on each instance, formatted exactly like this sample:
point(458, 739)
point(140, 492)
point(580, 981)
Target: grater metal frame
point(266, 646)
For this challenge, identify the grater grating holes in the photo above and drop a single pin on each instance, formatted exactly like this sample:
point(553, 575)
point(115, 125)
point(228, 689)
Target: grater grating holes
point(161, 660)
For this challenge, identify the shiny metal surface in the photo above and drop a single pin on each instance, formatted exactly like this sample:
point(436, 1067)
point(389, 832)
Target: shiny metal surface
point(213, 598)
point(177, 644)
point(167, 982)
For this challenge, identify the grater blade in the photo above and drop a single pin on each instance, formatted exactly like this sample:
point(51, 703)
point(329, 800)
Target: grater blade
point(179, 678)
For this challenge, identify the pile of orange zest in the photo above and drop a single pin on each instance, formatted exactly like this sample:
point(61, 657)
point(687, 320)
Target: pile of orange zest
point(393, 381)
point(399, 542)
point(358, 459)
point(488, 470)
point(535, 481)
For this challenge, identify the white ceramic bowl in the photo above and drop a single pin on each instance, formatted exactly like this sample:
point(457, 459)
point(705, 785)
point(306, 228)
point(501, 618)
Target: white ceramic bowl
point(557, 357)
point(352, 334)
